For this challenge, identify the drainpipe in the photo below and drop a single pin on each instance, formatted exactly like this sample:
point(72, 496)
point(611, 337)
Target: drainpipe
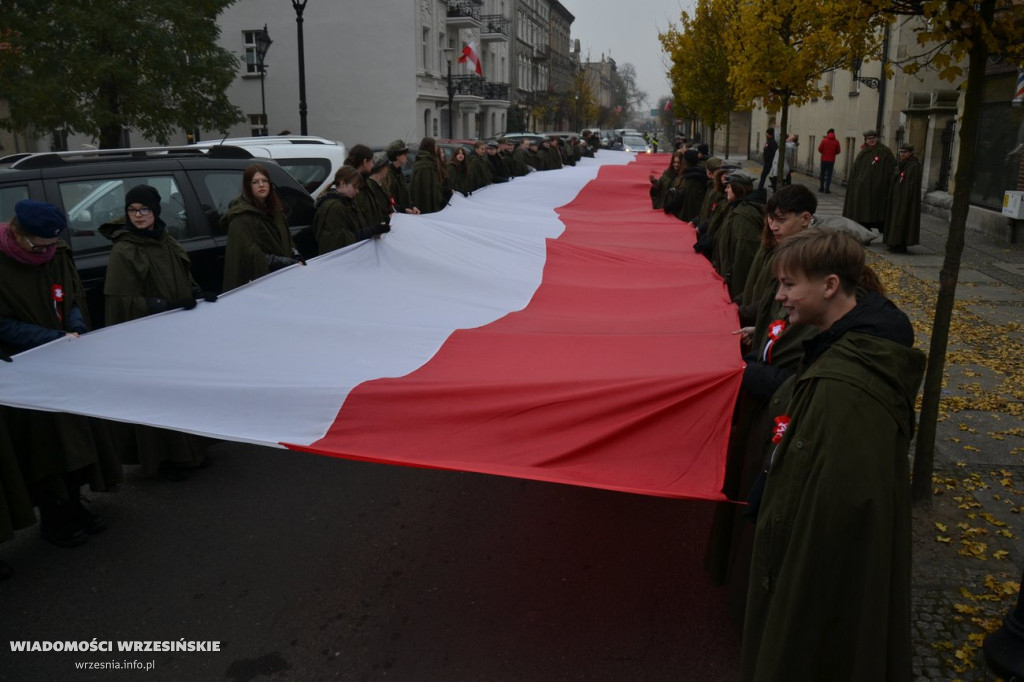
point(879, 126)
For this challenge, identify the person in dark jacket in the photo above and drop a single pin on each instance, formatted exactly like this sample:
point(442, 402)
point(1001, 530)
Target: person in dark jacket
point(739, 237)
point(903, 222)
point(401, 198)
point(499, 172)
point(479, 167)
point(259, 241)
point(42, 300)
point(829, 149)
point(427, 187)
point(686, 195)
point(829, 591)
point(149, 272)
point(660, 185)
point(337, 222)
point(867, 193)
point(768, 155)
point(458, 172)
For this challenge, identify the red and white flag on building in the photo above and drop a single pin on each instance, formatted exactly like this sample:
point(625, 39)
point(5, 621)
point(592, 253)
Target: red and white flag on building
point(469, 55)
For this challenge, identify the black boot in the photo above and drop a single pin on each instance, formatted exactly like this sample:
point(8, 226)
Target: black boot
point(58, 525)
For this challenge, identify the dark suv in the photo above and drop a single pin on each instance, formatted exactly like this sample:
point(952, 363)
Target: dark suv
point(195, 187)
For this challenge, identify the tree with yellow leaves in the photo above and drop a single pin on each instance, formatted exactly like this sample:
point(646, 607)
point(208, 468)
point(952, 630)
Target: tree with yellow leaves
point(777, 50)
point(954, 32)
point(700, 64)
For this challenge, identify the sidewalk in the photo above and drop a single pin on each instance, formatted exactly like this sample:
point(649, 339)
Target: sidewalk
point(968, 549)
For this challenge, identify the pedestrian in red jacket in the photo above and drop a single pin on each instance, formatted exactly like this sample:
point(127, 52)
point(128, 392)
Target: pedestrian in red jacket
point(829, 149)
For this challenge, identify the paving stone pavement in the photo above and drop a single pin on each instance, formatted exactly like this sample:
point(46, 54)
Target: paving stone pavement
point(969, 547)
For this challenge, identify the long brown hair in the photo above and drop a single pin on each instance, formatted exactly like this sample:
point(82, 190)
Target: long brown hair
point(273, 203)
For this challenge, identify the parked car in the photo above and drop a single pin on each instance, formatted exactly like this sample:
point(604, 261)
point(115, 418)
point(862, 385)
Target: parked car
point(634, 143)
point(312, 161)
point(195, 185)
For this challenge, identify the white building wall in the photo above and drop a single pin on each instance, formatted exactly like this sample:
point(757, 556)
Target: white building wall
point(359, 64)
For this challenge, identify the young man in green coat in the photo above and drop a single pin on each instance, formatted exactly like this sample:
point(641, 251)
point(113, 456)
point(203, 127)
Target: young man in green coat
point(426, 189)
point(867, 191)
point(903, 222)
point(829, 591)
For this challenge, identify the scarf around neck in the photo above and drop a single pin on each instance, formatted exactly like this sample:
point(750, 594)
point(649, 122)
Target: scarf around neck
point(9, 247)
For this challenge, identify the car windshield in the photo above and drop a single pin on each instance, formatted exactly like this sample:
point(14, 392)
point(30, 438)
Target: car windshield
point(634, 142)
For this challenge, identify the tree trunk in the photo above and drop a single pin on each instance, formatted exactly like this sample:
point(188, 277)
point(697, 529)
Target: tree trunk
point(780, 153)
point(924, 453)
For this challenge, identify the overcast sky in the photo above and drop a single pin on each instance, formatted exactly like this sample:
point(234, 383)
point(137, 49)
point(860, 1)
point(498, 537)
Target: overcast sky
point(628, 32)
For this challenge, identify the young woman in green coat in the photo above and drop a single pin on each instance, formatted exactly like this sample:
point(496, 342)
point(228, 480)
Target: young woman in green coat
point(149, 272)
point(458, 172)
point(337, 222)
point(427, 186)
point(259, 241)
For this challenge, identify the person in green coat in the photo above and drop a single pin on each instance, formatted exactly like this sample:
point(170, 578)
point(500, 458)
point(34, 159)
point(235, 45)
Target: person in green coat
point(259, 241)
point(401, 199)
point(739, 237)
point(479, 167)
point(458, 172)
point(829, 591)
point(660, 185)
point(903, 222)
point(337, 222)
point(427, 187)
point(42, 300)
point(149, 272)
point(867, 191)
point(686, 194)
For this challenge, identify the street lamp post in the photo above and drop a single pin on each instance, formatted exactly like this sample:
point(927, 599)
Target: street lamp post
point(263, 42)
point(299, 6)
point(448, 54)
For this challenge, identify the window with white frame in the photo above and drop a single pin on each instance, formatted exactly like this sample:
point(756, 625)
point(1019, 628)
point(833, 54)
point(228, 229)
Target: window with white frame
point(249, 40)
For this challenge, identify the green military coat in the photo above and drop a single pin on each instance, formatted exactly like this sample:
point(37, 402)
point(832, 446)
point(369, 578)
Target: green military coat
point(458, 178)
point(479, 171)
point(252, 235)
point(867, 191)
point(399, 188)
point(52, 444)
point(336, 222)
point(739, 238)
point(143, 266)
point(903, 224)
point(660, 188)
point(829, 591)
point(373, 203)
point(426, 188)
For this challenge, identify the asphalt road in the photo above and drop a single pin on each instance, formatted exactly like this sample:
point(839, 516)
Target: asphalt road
point(312, 568)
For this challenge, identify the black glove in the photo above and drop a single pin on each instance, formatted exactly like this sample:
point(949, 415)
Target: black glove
point(185, 303)
point(155, 304)
point(382, 227)
point(207, 296)
point(275, 263)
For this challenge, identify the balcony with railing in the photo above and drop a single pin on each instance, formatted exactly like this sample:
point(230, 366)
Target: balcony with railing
point(468, 86)
point(496, 91)
point(464, 13)
point(541, 53)
point(495, 27)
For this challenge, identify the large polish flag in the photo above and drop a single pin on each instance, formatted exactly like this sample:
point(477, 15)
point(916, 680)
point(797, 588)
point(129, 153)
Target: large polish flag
point(551, 328)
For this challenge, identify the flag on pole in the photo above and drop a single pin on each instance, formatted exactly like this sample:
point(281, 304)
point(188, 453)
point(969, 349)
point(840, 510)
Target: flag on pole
point(668, 105)
point(469, 54)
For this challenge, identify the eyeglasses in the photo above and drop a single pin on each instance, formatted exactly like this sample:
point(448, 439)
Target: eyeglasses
point(259, 183)
point(144, 211)
point(37, 248)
